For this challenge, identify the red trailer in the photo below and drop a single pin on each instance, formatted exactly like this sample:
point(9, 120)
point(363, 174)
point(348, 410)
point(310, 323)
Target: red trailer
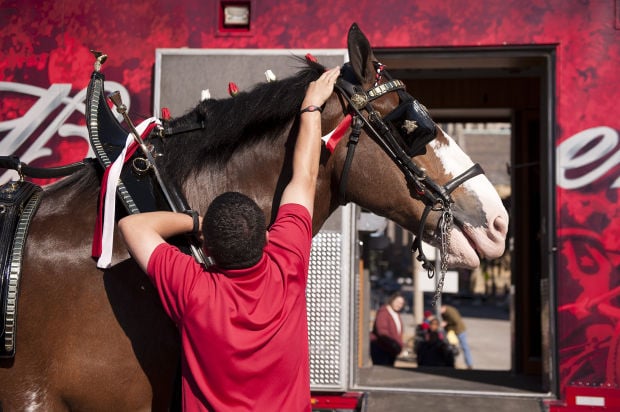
point(547, 68)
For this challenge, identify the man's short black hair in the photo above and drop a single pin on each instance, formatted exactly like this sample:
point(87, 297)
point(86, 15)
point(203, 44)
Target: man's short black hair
point(234, 231)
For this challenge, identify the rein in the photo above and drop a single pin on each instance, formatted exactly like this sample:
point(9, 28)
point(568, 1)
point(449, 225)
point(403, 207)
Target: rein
point(13, 163)
point(435, 197)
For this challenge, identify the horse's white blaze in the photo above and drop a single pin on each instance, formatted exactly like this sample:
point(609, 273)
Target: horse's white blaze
point(487, 240)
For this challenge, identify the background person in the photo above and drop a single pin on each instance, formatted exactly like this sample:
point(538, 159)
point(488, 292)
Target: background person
point(432, 348)
point(453, 321)
point(243, 322)
point(386, 338)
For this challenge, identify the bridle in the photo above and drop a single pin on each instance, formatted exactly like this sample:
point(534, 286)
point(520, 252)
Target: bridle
point(402, 134)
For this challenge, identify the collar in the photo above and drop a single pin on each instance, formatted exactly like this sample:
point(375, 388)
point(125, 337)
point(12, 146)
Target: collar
point(258, 268)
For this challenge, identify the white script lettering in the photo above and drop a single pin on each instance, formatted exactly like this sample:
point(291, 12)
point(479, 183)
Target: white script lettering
point(569, 157)
point(19, 130)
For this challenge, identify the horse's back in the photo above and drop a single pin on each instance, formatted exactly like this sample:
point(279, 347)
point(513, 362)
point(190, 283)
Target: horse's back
point(79, 327)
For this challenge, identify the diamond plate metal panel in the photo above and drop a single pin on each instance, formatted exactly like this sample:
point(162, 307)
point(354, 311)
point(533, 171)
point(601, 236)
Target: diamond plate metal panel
point(324, 295)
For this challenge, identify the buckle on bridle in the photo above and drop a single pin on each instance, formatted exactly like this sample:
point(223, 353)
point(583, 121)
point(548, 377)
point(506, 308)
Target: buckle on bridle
point(359, 100)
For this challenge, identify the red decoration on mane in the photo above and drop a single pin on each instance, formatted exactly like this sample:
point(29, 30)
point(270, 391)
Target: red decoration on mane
point(311, 58)
point(233, 90)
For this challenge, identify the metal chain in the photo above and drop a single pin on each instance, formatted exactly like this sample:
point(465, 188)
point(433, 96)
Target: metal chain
point(445, 225)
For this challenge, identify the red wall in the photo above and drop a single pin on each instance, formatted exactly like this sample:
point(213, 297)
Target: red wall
point(47, 43)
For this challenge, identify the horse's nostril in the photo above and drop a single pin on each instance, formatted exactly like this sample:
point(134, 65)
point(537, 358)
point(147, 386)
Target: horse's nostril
point(500, 224)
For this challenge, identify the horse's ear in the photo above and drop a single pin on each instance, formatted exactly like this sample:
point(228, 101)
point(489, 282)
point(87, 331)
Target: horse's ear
point(360, 54)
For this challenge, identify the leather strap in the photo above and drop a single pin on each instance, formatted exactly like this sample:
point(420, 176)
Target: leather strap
point(18, 204)
point(351, 145)
point(171, 131)
point(13, 163)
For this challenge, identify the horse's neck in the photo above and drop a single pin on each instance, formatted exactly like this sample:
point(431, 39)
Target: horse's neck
point(253, 170)
point(260, 171)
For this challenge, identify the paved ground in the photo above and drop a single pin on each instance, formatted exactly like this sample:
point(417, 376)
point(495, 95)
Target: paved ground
point(390, 402)
point(490, 386)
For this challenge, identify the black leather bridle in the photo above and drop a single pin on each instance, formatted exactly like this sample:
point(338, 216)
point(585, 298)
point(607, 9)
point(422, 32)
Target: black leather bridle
point(402, 134)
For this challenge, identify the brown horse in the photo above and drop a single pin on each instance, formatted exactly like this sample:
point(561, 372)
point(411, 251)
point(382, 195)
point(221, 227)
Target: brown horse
point(98, 340)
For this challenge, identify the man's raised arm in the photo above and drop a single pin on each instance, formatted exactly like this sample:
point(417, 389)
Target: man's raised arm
point(302, 187)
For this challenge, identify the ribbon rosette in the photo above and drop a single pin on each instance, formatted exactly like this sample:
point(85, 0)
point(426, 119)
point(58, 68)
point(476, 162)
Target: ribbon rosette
point(233, 90)
point(270, 76)
point(165, 113)
point(311, 58)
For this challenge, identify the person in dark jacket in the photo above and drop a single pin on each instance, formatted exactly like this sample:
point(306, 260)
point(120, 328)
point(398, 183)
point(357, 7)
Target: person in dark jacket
point(386, 338)
point(432, 348)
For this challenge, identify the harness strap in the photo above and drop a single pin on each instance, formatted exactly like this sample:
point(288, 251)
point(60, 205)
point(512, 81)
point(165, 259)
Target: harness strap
point(417, 244)
point(351, 145)
point(384, 88)
point(473, 171)
point(171, 131)
point(18, 204)
point(13, 163)
point(460, 179)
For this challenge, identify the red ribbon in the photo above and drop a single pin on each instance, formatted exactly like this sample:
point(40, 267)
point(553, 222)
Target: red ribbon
point(232, 89)
point(311, 58)
point(338, 132)
point(165, 113)
point(97, 245)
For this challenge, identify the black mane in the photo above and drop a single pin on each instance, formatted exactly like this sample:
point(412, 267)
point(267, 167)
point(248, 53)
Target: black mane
point(264, 112)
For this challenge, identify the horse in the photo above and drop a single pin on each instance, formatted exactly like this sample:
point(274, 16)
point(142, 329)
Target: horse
point(98, 340)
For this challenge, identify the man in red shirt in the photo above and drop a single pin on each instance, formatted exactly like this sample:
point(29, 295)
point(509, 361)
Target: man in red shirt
point(243, 322)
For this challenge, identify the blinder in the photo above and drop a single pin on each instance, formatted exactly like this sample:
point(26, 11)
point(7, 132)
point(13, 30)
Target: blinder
point(412, 124)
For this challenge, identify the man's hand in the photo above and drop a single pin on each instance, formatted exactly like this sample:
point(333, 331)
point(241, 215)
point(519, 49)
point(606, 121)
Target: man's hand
point(319, 90)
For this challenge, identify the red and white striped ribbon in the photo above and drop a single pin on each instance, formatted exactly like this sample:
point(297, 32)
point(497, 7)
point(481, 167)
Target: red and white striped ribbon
point(332, 138)
point(103, 237)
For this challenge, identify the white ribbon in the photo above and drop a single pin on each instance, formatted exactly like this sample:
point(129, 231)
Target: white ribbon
point(107, 236)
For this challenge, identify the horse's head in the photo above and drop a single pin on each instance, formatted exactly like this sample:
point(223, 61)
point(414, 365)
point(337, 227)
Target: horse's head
point(406, 168)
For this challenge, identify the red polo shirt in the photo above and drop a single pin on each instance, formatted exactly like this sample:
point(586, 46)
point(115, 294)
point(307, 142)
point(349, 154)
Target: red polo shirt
point(244, 332)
